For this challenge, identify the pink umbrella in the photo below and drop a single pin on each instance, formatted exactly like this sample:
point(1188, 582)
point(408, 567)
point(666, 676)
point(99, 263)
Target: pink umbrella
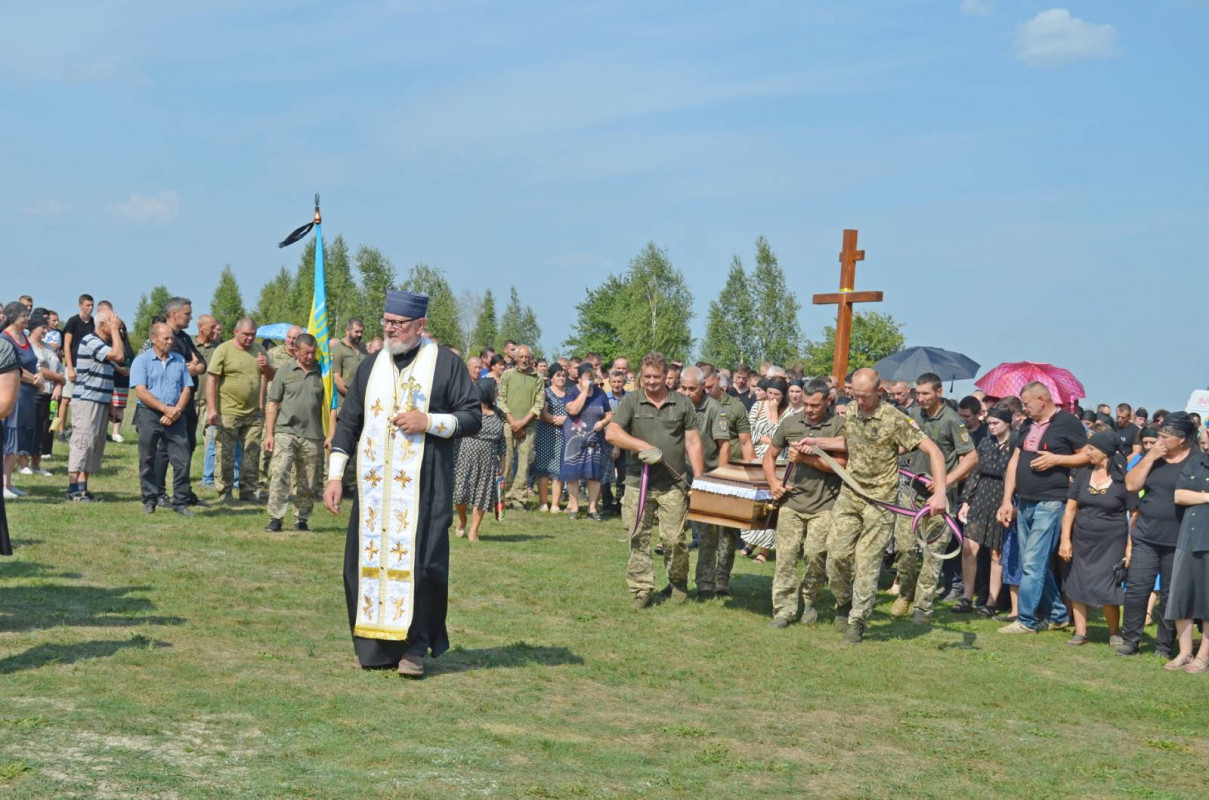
point(1007, 379)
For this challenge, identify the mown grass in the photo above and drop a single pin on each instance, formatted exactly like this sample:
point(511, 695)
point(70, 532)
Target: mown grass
point(161, 657)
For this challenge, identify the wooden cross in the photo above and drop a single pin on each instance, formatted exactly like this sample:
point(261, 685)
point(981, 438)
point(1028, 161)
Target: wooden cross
point(844, 299)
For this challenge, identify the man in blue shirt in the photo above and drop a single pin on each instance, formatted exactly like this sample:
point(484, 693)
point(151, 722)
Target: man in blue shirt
point(160, 378)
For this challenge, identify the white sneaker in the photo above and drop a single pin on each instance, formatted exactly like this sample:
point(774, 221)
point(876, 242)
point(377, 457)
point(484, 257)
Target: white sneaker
point(26, 471)
point(117, 437)
point(18, 492)
point(45, 473)
point(10, 495)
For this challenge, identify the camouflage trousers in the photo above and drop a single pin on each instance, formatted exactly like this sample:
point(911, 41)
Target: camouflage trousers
point(859, 534)
point(715, 556)
point(518, 454)
point(248, 430)
point(915, 582)
point(673, 535)
point(301, 460)
point(802, 536)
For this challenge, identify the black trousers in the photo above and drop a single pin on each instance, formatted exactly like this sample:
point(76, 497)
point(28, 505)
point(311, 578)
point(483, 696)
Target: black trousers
point(1147, 561)
point(190, 418)
point(44, 440)
point(159, 446)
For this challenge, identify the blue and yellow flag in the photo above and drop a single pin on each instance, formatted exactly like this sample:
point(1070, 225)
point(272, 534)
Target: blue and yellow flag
point(317, 325)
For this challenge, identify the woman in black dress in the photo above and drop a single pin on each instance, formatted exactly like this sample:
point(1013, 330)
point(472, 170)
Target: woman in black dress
point(1189, 596)
point(479, 463)
point(1157, 529)
point(1095, 538)
point(981, 498)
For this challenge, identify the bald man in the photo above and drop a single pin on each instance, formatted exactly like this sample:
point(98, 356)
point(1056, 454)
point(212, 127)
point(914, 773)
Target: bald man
point(871, 435)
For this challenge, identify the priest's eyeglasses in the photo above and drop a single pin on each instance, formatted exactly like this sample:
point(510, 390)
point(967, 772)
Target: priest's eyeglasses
point(397, 324)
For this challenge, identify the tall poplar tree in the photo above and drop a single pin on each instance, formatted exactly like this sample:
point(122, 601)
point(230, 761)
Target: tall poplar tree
point(227, 304)
point(654, 308)
point(486, 331)
point(731, 321)
point(777, 335)
point(149, 306)
point(442, 305)
point(273, 305)
point(519, 324)
point(377, 275)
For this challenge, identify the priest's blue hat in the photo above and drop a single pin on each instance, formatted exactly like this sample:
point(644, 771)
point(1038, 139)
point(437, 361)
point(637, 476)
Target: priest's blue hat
point(412, 305)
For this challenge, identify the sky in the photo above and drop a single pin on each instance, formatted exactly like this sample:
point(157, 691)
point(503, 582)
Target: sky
point(1028, 178)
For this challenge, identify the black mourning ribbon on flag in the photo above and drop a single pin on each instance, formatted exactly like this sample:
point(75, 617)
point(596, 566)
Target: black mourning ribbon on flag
point(298, 233)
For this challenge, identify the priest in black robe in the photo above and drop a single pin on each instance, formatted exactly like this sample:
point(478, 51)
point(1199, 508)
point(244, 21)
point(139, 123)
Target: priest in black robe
point(452, 411)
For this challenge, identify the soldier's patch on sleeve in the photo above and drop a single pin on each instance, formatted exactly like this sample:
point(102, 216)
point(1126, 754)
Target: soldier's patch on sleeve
point(914, 424)
point(964, 436)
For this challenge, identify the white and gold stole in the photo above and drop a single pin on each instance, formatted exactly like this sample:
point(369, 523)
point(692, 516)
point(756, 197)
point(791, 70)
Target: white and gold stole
point(388, 481)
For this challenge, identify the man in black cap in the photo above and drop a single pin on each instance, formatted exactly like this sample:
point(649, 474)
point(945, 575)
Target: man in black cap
point(403, 409)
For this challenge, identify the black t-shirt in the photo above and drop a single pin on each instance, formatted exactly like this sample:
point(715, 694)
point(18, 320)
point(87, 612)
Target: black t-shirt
point(1127, 437)
point(78, 329)
point(1159, 516)
point(183, 343)
point(748, 398)
point(1064, 436)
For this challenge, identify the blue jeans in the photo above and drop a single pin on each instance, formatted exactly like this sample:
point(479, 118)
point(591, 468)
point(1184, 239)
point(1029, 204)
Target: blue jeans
point(208, 461)
point(1037, 530)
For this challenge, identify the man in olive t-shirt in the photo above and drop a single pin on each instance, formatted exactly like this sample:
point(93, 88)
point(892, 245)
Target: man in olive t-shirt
point(347, 355)
point(714, 430)
point(804, 520)
point(294, 435)
point(237, 377)
point(659, 426)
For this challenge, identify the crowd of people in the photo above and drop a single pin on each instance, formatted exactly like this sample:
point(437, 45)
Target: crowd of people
point(1067, 509)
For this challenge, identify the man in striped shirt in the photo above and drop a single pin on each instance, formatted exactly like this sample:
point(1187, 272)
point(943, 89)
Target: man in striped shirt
point(98, 353)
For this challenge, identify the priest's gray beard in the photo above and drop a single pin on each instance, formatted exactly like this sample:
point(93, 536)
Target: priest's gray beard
point(399, 347)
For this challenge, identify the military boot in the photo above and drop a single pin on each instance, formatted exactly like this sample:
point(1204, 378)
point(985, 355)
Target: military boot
point(900, 607)
point(855, 632)
point(841, 616)
point(809, 616)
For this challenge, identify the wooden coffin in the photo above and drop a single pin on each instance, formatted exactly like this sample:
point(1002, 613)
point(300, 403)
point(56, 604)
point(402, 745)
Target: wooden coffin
point(733, 496)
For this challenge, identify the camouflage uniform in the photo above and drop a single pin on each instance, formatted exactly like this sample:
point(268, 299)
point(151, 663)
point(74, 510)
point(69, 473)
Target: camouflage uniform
point(521, 393)
point(240, 417)
point(664, 426)
point(297, 440)
point(949, 432)
point(278, 358)
point(737, 422)
point(804, 521)
point(711, 423)
point(861, 530)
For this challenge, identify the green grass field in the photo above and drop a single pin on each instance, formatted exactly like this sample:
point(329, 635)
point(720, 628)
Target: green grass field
point(158, 657)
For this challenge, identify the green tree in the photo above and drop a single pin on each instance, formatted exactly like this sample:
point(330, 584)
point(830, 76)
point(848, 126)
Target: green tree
point(302, 288)
point(273, 304)
point(377, 275)
point(519, 324)
point(442, 305)
point(654, 308)
point(148, 307)
point(343, 294)
point(227, 304)
point(776, 334)
point(486, 331)
point(874, 336)
point(731, 322)
point(595, 329)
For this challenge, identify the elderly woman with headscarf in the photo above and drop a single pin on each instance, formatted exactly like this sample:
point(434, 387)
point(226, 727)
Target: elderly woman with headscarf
point(1156, 530)
point(1188, 597)
point(479, 464)
point(1095, 537)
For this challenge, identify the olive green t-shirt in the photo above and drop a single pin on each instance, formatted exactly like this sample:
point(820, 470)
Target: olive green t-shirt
point(299, 395)
point(949, 432)
point(238, 378)
point(810, 490)
point(664, 427)
point(713, 427)
point(345, 361)
point(521, 393)
point(873, 444)
point(736, 420)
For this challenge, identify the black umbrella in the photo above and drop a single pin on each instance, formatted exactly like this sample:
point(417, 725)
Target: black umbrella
point(909, 364)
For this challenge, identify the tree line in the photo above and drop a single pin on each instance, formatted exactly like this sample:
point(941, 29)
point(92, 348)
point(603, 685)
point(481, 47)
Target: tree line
point(648, 306)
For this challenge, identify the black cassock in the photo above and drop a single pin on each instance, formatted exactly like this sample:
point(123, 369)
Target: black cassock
point(452, 393)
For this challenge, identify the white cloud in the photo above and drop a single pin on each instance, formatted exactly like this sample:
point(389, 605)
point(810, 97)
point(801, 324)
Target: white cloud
point(1054, 37)
point(45, 208)
point(143, 209)
point(977, 8)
